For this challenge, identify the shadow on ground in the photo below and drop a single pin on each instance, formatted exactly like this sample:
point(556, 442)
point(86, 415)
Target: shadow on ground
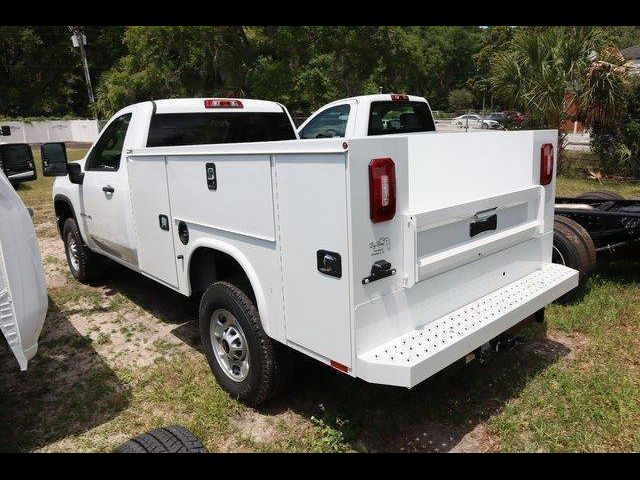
point(435, 416)
point(446, 412)
point(67, 390)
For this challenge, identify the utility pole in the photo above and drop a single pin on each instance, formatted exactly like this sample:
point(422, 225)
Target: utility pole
point(79, 40)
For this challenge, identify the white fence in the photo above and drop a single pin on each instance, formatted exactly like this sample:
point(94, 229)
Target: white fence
point(52, 131)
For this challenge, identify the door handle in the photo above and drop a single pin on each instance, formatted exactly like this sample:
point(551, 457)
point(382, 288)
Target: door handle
point(108, 189)
point(483, 225)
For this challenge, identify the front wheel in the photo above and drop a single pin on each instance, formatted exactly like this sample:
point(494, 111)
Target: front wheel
point(247, 364)
point(83, 264)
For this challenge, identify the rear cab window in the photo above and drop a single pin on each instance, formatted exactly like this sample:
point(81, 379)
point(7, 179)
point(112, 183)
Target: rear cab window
point(177, 129)
point(391, 117)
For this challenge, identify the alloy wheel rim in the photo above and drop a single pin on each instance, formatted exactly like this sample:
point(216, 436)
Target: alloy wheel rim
point(73, 253)
point(229, 345)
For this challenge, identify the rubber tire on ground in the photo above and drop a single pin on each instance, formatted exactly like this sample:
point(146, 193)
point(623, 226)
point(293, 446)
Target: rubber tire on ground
point(601, 195)
point(172, 439)
point(574, 244)
point(271, 364)
point(89, 263)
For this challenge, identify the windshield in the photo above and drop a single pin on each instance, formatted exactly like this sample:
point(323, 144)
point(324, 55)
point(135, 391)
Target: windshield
point(388, 117)
point(173, 129)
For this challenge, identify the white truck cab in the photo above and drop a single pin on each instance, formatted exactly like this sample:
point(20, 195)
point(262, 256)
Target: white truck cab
point(23, 290)
point(370, 115)
point(387, 255)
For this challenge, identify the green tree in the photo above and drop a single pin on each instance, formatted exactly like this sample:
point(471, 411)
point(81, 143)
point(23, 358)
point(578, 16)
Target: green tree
point(460, 99)
point(549, 74)
point(41, 73)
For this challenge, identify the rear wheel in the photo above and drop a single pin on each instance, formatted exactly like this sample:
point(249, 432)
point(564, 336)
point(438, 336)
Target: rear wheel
point(247, 364)
point(83, 263)
point(601, 195)
point(573, 247)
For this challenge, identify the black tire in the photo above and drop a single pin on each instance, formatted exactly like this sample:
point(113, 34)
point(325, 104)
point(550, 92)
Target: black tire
point(172, 439)
point(88, 262)
point(601, 195)
point(270, 362)
point(573, 247)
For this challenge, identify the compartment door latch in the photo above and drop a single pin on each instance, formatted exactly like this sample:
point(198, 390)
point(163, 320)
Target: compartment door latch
point(380, 269)
point(329, 263)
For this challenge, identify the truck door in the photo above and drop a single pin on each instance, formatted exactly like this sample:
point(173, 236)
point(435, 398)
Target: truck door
point(105, 193)
point(152, 216)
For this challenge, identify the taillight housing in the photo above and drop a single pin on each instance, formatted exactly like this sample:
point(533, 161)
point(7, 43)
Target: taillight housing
point(382, 189)
point(546, 164)
point(222, 103)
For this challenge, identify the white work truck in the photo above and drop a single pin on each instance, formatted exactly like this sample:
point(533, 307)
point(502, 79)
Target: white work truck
point(386, 257)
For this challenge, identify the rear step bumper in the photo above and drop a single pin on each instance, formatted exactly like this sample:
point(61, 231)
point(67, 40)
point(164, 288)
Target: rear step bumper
point(414, 356)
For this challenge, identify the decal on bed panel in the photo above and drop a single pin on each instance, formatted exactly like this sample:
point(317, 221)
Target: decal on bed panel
point(380, 246)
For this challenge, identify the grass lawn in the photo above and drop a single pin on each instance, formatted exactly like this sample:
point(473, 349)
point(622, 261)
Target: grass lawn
point(121, 357)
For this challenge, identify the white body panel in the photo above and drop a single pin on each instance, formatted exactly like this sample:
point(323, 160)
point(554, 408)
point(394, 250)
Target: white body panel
point(277, 204)
point(23, 291)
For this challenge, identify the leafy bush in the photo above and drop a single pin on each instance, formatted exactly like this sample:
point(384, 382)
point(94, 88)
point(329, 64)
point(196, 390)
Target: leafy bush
point(460, 99)
point(617, 145)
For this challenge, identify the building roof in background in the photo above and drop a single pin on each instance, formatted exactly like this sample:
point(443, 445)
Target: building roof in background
point(631, 53)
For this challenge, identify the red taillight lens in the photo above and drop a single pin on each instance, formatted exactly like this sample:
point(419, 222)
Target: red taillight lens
point(222, 103)
point(382, 189)
point(546, 164)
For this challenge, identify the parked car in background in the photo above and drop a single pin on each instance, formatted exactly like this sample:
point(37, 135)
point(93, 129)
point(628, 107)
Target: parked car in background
point(476, 121)
point(16, 161)
point(513, 116)
point(23, 291)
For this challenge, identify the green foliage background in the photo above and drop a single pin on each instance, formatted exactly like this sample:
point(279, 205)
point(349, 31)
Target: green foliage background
point(300, 66)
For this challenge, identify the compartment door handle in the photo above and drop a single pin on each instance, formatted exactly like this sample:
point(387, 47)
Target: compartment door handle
point(483, 225)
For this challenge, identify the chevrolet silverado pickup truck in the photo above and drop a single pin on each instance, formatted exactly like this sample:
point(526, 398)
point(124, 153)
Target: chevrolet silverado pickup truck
point(386, 256)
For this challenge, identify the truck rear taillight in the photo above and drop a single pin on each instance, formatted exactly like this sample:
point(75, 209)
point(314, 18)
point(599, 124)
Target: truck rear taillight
point(382, 189)
point(546, 164)
point(222, 103)
point(397, 97)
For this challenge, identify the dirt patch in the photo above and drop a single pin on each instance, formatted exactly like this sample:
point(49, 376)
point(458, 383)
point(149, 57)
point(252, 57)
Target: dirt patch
point(567, 345)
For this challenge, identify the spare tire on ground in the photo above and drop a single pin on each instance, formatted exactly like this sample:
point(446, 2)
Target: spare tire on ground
point(172, 439)
point(573, 247)
point(601, 195)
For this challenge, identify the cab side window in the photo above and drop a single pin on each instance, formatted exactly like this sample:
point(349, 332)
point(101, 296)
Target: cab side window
point(106, 153)
point(332, 123)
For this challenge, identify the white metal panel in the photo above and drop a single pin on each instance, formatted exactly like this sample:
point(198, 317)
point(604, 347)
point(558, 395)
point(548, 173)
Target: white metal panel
point(448, 169)
point(23, 291)
point(411, 358)
point(312, 214)
point(150, 199)
point(242, 202)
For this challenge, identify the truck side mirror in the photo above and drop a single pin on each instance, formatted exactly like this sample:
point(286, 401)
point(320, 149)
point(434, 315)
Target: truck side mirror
point(54, 159)
point(75, 173)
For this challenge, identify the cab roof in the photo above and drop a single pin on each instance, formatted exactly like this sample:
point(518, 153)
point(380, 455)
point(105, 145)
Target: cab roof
point(197, 105)
point(380, 97)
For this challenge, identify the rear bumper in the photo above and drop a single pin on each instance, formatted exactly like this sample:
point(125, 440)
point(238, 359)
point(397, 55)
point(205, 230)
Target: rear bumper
point(416, 355)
